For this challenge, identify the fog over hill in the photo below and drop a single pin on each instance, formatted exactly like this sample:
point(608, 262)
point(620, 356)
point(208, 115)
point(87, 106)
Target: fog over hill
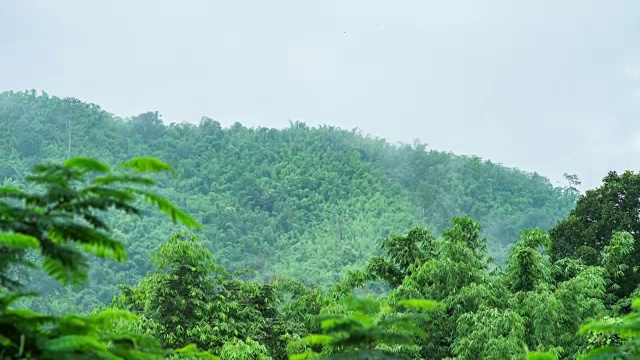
point(546, 91)
point(281, 201)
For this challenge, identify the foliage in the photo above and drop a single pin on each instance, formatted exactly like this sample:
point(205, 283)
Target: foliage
point(62, 220)
point(314, 239)
point(306, 203)
point(244, 350)
point(367, 331)
point(616, 338)
point(541, 356)
point(598, 214)
point(191, 299)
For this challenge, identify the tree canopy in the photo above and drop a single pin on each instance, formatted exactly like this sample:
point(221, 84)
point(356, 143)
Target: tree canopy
point(301, 243)
point(586, 233)
point(305, 202)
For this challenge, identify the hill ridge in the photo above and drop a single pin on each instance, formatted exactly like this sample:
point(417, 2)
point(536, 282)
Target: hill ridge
point(302, 200)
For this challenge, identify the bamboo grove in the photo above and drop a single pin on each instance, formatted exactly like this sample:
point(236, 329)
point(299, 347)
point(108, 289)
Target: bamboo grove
point(297, 243)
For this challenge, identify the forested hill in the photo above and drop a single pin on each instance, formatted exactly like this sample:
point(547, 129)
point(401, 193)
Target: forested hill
point(305, 202)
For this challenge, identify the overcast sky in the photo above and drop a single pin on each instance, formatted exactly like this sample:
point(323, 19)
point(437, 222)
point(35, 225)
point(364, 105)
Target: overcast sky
point(546, 86)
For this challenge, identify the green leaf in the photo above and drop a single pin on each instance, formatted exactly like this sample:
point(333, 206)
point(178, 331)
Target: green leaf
point(71, 344)
point(8, 192)
point(146, 164)
point(114, 251)
point(18, 240)
point(112, 315)
point(92, 241)
point(541, 356)
point(87, 164)
point(305, 355)
point(604, 353)
point(63, 273)
point(165, 206)
point(191, 350)
point(111, 179)
point(318, 339)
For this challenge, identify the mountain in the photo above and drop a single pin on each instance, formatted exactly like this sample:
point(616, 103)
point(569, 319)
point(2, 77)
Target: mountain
point(301, 201)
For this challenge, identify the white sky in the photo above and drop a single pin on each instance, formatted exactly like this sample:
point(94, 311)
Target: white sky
point(547, 86)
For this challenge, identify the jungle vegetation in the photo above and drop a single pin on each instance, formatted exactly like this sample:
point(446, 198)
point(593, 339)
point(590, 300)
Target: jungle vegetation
point(127, 238)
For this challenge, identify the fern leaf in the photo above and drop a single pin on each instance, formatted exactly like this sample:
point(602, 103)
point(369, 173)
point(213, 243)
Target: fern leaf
point(20, 241)
point(75, 343)
point(112, 315)
point(96, 222)
point(92, 241)
point(65, 274)
point(318, 339)
point(146, 164)
point(107, 192)
point(165, 206)
point(87, 164)
point(129, 179)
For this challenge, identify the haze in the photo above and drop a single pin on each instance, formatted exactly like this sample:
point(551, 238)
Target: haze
point(545, 86)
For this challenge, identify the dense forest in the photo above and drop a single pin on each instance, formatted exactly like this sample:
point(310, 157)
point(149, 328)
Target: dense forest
point(302, 202)
point(297, 243)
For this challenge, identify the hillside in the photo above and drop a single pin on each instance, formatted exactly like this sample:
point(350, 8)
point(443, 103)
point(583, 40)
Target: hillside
point(276, 201)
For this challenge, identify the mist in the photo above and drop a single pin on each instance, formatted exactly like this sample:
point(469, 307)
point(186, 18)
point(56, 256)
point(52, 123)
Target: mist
point(543, 86)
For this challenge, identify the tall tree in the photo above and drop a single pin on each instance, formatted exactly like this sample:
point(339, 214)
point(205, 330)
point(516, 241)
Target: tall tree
point(191, 299)
point(598, 215)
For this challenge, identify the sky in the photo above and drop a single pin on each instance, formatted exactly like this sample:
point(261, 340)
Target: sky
point(542, 85)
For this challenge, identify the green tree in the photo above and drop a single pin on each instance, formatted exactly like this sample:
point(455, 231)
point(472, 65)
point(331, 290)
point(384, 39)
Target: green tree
point(303, 202)
point(248, 349)
point(366, 330)
point(189, 298)
point(597, 216)
point(451, 270)
point(490, 333)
